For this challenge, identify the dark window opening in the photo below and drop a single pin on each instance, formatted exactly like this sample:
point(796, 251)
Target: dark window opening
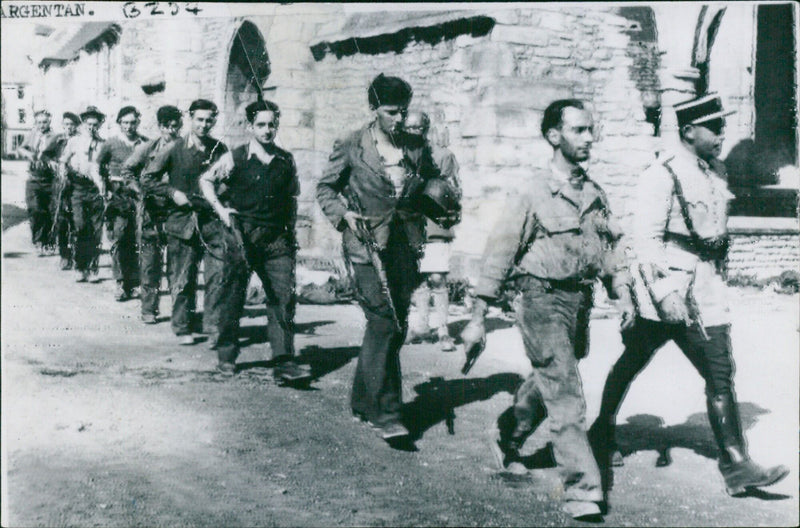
point(754, 163)
point(21, 115)
point(20, 92)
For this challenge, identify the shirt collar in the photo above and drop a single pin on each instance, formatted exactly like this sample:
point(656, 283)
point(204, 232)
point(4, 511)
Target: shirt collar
point(254, 148)
point(559, 178)
point(195, 142)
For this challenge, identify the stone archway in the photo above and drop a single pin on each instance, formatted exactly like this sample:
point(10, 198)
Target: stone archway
point(248, 69)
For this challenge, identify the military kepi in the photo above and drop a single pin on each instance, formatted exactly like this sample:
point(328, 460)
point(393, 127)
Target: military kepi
point(700, 110)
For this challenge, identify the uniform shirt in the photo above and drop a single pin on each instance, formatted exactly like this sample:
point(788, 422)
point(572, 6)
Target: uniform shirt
point(554, 231)
point(113, 153)
point(261, 186)
point(80, 155)
point(448, 167)
point(657, 214)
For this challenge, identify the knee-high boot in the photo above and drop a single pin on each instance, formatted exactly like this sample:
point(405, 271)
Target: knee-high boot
point(735, 465)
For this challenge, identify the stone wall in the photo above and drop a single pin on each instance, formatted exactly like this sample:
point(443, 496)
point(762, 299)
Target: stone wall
point(763, 256)
point(485, 92)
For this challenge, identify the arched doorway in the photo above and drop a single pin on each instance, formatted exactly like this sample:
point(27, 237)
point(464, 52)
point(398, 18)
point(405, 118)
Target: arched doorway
point(248, 69)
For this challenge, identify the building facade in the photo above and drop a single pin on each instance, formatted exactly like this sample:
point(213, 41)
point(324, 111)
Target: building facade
point(17, 104)
point(484, 74)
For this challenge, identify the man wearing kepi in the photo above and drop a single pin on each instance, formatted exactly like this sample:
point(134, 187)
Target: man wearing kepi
point(122, 197)
point(151, 212)
point(261, 210)
point(61, 207)
point(554, 240)
point(78, 164)
point(362, 194)
point(193, 231)
point(39, 186)
point(680, 240)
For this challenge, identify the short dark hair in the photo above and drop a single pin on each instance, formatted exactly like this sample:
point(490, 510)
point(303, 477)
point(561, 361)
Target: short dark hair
point(72, 117)
point(125, 110)
point(389, 91)
point(168, 113)
point(554, 113)
point(203, 104)
point(261, 106)
point(41, 112)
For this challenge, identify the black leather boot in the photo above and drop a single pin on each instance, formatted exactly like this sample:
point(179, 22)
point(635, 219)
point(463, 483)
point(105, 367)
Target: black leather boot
point(739, 471)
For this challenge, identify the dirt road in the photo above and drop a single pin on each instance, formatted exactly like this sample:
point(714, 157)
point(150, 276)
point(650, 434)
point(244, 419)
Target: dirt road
point(107, 422)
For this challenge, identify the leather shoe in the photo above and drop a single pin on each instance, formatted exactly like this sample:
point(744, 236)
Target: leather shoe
point(581, 509)
point(186, 340)
point(226, 367)
point(290, 371)
point(393, 431)
point(149, 319)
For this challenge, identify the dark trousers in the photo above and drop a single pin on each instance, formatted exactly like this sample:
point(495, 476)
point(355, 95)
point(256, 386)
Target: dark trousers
point(377, 387)
point(554, 324)
point(121, 228)
point(87, 215)
point(274, 263)
point(152, 244)
point(61, 209)
point(183, 260)
point(711, 358)
point(38, 195)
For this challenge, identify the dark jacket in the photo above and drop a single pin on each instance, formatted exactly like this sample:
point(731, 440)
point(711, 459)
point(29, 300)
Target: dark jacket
point(355, 166)
point(184, 163)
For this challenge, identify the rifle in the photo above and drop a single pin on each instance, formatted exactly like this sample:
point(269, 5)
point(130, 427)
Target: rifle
point(373, 251)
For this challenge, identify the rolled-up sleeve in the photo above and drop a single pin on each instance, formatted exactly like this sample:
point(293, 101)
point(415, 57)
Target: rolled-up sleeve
point(508, 238)
point(331, 184)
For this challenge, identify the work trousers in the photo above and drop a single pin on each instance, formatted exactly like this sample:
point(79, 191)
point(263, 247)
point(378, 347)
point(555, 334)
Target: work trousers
point(711, 358)
point(38, 195)
point(87, 215)
point(61, 210)
point(273, 260)
point(377, 387)
point(183, 261)
point(152, 243)
point(554, 323)
point(121, 226)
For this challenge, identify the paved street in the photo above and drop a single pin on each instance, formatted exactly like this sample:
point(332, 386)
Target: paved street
point(109, 422)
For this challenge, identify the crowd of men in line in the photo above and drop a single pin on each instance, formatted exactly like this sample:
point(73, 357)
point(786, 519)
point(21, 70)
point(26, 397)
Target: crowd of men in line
point(395, 198)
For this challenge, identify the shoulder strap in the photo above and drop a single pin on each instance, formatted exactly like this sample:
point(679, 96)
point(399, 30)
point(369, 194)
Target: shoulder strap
point(681, 201)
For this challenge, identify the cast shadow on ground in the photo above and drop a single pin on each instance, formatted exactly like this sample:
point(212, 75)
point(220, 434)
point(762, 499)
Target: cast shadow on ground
point(438, 398)
point(492, 323)
point(645, 432)
point(254, 335)
point(14, 254)
point(321, 360)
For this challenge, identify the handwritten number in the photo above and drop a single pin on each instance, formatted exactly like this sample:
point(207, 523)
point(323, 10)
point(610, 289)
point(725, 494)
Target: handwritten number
point(174, 8)
point(191, 7)
point(155, 10)
point(130, 10)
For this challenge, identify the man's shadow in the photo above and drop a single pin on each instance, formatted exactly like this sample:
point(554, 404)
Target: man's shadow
point(438, 398)
point(645, 432)
point(253, 335)
point(492, 323)
point(321, 360)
